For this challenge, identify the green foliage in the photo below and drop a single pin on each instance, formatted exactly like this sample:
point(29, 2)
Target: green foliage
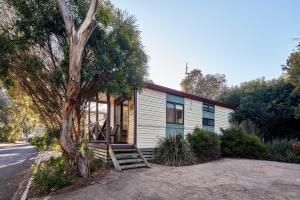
point(282, 150)
point(17, 117)
point(35, 53)
point(47, 141)
point(205, 145)
point(209, 85)
point(269, 105)
point(83, 148)
point(95, 164)
point(236, 143)
point(6, 134)
point(173, 151)
point(53, 175)
point(292, 68)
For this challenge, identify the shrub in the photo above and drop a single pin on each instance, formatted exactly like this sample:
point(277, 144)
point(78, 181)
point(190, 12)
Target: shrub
point(40, 142)
point(53, 174)
point(282, 150)
point(95, 164)
point(254, 148)
point(10, 133)
point(236, 143)
point(204, 144)
point(173, 151)
point(47, 141)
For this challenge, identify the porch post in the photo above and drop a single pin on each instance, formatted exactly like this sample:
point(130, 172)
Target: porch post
point(108, 129)
point(89, 112)
point(135, 116)
point(97, 114)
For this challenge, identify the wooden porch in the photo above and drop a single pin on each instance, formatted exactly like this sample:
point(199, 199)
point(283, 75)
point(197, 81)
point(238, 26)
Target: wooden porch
point(110, 120)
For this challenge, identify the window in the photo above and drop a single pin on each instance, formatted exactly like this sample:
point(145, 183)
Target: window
point(174, 113)
point(208, 122)
point(170, 113)
point(208, 108)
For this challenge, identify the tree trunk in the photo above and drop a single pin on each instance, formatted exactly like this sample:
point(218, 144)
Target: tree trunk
point(77, 40)
point(73, 89)
point(77, 124)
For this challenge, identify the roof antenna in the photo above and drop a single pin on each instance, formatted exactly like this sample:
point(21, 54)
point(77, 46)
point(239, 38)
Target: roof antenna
point(186, 69)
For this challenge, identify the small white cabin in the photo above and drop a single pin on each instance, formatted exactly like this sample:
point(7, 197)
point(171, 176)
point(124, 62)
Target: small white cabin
point(154, 113)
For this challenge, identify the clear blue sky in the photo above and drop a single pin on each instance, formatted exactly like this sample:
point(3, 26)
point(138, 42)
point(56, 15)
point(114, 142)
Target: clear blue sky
point(242, 39)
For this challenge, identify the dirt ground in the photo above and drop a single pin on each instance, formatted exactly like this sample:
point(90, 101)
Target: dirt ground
point(224, 179)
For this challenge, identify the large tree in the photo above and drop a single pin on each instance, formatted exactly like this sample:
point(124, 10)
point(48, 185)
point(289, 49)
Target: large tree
point(292, 69)
point(267, 105)
point(209, 85)
point(45, 53)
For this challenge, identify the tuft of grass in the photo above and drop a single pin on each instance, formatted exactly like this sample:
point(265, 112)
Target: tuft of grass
point(282, 150)
point(173, 151)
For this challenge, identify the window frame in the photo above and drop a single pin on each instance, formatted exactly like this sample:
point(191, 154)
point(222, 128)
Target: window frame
point(175, 116)
point(208, 120)
point(208, 106)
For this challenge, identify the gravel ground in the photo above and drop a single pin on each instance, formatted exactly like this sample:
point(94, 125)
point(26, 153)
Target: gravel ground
point(15, 159)
point(224, 179)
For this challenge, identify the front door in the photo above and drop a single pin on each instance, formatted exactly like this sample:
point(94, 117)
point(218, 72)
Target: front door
point(121, 119)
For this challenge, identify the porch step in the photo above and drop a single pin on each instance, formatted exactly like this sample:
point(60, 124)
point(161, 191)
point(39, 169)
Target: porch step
point(125, 161)
point(124, 150)
point(133, 166)
point(126, 156)
point(122, 146)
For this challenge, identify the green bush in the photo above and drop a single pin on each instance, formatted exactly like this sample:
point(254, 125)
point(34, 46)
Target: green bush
point(204, 144)
point(47, 141)
point(40, 142)
point(53, 175)
point(282, 150)
point(6, 134)
point(173, 151)
point(236, 143)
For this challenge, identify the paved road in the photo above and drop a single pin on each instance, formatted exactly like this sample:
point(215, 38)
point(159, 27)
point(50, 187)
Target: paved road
point(14, 160)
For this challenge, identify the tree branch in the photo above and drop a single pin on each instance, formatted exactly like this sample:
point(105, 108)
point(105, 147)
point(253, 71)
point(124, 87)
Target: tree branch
point(88, 24)
point(67, 15)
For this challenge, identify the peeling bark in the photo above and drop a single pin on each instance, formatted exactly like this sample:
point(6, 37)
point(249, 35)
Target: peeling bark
point(77, 41)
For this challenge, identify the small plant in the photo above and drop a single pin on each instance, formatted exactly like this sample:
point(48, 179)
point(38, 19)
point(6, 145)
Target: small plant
point(205, 145)
point(95, 164)
point(283, 150)
point(236, 143)
point(53, 175)
point(173, 151)
point(40, 142)
point(47, 141)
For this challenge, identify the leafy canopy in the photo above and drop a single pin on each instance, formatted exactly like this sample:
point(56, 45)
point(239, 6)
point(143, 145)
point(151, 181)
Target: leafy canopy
point(210, 85)
point(269, 105)
point(34, 52)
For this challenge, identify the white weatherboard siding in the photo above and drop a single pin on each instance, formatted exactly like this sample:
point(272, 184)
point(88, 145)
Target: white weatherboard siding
point(151, 117)
point(192, 115)
point(222, 118)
